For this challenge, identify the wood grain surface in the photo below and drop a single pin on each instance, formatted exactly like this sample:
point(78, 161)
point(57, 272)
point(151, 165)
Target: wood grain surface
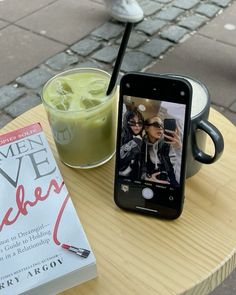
point(138, 254)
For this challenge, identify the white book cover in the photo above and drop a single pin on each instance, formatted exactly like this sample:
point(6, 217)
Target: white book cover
point(38, 221)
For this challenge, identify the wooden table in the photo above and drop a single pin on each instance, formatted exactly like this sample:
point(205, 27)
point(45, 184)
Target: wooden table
point(138, 254)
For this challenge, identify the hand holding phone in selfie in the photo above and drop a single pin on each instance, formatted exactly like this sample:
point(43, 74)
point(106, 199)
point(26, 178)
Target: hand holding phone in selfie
point(172, 137)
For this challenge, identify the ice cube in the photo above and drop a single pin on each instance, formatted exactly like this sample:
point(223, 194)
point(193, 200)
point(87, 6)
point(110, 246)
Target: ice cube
point(62, 87)
point(75, 104)
point(100, 121)
point(97, 87)
point(61, 102)
point(89, 103)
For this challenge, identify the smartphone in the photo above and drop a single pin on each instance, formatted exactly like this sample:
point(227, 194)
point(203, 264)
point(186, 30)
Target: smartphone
point(169, 124)
point(150, 171)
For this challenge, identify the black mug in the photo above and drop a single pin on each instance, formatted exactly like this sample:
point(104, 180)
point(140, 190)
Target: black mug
point(200, 128)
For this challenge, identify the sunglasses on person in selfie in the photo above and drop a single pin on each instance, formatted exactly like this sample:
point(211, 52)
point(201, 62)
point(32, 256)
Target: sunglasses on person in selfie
point(155, 124)
point(134, 123)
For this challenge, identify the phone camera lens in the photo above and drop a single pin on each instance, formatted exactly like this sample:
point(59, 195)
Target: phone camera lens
point(182, 93)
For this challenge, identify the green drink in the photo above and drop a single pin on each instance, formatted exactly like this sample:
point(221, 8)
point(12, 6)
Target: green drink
point(81, 116)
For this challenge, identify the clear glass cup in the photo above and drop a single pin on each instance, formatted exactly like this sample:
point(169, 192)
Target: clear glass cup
point(81, 116)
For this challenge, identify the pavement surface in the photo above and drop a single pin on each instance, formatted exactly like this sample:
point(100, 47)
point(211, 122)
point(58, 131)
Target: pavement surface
point(191, 37)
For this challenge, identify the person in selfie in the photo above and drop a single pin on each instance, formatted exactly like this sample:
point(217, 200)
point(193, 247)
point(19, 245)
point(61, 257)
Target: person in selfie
point(131, 143)
point(156, 163)
point(125, 10)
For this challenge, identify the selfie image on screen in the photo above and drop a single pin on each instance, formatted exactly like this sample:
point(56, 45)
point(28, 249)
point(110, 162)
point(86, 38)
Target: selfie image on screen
point(151, 141)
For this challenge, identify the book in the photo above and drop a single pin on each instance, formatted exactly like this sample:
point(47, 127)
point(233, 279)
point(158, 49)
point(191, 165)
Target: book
point(43, 247)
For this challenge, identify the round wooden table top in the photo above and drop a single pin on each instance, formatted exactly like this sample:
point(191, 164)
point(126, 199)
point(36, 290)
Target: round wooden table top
point(138, 254)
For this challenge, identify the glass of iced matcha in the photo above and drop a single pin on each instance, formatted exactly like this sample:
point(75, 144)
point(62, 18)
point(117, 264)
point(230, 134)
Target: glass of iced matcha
point(82, 117)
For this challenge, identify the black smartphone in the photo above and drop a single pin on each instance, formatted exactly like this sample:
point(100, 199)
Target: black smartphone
point(150, 171)
point(169, 125)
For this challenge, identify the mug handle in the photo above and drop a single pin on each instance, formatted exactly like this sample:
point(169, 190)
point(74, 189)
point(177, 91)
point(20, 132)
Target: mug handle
point(216, 138)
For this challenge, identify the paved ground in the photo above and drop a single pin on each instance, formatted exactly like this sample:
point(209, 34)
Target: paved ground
point(191, 37)
point(41, 38)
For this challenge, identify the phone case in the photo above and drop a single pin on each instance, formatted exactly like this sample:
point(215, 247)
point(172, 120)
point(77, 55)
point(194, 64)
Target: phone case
point(146, 180)
point(170, 124)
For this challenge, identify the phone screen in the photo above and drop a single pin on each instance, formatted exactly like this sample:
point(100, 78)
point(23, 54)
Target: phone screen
point(150, 168)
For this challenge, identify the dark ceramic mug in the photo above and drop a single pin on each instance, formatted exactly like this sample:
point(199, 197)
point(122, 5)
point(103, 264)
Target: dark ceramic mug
point(201, 128)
